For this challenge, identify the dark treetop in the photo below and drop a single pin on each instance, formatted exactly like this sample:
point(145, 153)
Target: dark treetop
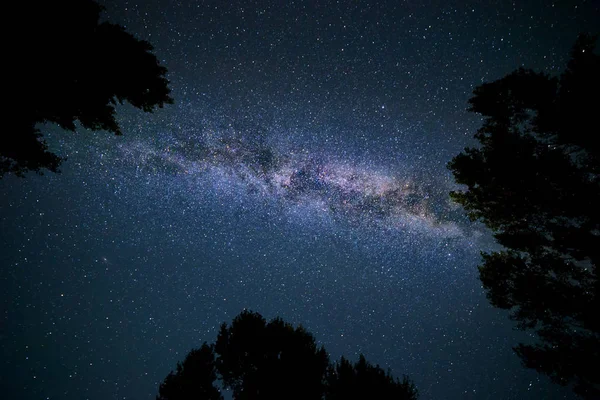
point(67, 66)
point(274, 360)
point(534, 181)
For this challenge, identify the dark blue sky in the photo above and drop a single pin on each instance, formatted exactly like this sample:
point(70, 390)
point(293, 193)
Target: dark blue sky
point(301, 173)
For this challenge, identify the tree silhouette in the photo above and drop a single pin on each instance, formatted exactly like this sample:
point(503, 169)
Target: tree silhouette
point(534, 181)
point(264, 360)
point(194, 379)
point(260, 360)
point(66, 66)
point(365, 381)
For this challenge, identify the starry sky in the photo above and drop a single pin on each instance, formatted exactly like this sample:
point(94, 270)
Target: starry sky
point(301, 173)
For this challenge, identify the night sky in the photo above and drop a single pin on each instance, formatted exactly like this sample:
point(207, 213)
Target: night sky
point(301, 173)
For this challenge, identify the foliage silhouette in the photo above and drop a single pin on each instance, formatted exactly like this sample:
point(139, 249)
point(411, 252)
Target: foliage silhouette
point(534, 181)
point(365, 381)
point(194, 379)
point(68, 66)
point(260, 360)
point(257, 359)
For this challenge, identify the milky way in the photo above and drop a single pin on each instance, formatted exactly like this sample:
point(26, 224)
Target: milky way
point(320, 184)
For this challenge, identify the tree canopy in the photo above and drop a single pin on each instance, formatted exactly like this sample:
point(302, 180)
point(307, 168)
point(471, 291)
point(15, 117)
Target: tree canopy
point(67, 66)
point(534, 181)
point(257, 359)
